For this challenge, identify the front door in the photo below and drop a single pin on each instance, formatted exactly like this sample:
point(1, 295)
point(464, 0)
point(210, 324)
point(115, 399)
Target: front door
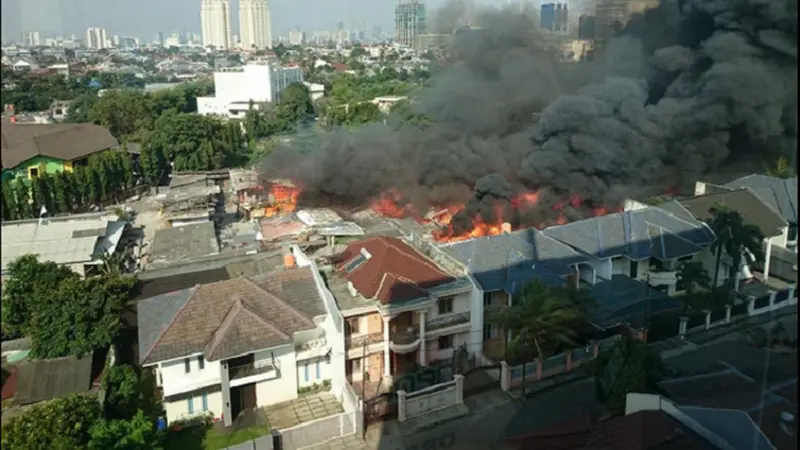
point(236, 402)
point(249, 396)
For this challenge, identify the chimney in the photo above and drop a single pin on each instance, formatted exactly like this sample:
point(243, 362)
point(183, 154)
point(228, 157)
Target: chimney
point(505, 228)
point(288, 259)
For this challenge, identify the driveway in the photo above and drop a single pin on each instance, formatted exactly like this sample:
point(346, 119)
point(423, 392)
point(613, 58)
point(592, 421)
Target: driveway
point(302, 409)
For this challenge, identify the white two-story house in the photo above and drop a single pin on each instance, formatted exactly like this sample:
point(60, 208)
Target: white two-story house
point(222, 348)
point(401, 309)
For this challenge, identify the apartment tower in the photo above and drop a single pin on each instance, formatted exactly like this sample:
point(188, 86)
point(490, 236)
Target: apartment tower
point(215, 16)
point(255, 25)
point(409, 20)
point(96, 38)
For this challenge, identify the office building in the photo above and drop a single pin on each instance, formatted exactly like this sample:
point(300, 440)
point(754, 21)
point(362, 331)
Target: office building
point(31, 39)
point(409, 20)
point(215, 16)
point(254, 24)
point(96, 38)
point(297, 37)
point(553, 17)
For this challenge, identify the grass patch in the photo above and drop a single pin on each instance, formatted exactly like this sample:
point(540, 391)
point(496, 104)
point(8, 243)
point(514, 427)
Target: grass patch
point(207, 438)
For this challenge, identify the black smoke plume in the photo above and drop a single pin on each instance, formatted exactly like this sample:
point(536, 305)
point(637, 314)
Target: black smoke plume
point(687, 89)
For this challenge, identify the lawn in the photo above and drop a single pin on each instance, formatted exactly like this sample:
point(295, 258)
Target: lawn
point(207, 438)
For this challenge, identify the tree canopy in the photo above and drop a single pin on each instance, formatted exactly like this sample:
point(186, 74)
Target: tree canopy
point(735, 238)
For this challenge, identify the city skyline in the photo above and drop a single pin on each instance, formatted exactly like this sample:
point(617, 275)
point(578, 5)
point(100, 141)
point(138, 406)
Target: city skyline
point(68, 17)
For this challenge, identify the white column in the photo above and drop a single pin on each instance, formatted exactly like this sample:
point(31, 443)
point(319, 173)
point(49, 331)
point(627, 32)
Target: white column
point(401, 406)
point(422, 360)
point(386, 353)
point(459, 388)
point(505, 376)
point(727, 314)
point(684, 321)
point(767, 256)
point(708, 319)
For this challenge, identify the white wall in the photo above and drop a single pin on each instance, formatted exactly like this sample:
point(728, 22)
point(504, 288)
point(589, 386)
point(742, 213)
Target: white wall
point(620, 266)
point(603, 268)
point(175, 380)
point(177, 407)
point(461, 303)
point(312, 364)
point(475, 337)
point(283, 387)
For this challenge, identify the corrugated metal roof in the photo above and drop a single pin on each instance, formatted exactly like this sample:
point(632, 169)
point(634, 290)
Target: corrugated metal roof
point(780, 194)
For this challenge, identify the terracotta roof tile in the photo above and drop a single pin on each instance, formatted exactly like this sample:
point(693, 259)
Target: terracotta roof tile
point(233, 317)
point(394, 271)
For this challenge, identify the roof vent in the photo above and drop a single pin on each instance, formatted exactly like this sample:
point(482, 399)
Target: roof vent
point(352, 289)
point(366, 254)
point(787, 423)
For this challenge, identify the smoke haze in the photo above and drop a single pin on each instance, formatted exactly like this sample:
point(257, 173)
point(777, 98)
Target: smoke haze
point(687, 89)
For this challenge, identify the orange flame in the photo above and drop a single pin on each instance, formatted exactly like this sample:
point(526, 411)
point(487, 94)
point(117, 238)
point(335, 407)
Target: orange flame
point(391, 205)
point(282, 199)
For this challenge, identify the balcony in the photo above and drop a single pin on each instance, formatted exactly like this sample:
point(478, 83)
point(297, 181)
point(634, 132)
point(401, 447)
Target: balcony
point(448, 321)
point(248, 370)
point(659, 277)
point(361, 340)
point(405, 339)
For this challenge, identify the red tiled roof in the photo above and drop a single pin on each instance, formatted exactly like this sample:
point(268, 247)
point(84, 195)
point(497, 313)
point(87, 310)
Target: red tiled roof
point(394, 272)
point(645, 430)
point(340, 67)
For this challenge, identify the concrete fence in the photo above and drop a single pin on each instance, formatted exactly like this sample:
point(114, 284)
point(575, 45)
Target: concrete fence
point(755, 307)
point(430, 399)
point(512, 376)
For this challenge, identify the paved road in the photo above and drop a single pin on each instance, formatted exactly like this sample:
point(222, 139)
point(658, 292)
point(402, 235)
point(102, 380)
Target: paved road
point(486, 430)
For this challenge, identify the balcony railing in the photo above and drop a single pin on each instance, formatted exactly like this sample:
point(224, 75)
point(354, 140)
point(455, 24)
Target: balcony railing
point(405, 335)
point(447, 321)
point(248, 370)
point(363, 339)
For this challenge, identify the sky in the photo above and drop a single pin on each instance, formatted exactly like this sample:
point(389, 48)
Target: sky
point(145, 18)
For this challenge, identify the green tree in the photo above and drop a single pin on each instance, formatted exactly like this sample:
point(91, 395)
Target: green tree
point(154, 164)
point(10, 206)
point(138, 433)
point(181, 136)
point(22, 194)
point(693, 276)
point(64, 423)
point(80, 316)
point(129, 391)
point(295, 106)
point(630, 366)
point(781, 169)
point(122, 111)
point(541, 319)
point(734, 238)
point(82, 191)
point(62, 191)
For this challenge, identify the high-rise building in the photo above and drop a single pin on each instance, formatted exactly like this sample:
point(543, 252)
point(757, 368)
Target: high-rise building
point(409, 20)
point(554, 17)
point(31, 39)
point(215, 16)
point(297, 37)
point(255, 26)
point(96, 38)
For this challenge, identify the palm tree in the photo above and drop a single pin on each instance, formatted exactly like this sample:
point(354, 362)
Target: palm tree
point(734, 237)
point(692, 275)
point(540, 319)
point(781, 169)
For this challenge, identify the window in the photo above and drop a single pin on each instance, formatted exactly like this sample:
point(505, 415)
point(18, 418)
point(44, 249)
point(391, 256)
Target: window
point(489, 331)
point(487, 299)
point(356, 365)
point(187, 364)
point(33, 172)
point(446, 305)
point(355, 325)
point(201, 362)
point(445, 342)
point(305, 372)
point(205, 401)
point(319, 370)
point(190, 404)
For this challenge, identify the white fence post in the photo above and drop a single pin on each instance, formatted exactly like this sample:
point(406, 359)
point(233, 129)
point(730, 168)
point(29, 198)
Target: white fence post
point(728, 314)
point(708, 319)
point(684, 322)
point(751, 305)
point(772, 300)
point(505, 376)
point(459, 388)
point(401, 406)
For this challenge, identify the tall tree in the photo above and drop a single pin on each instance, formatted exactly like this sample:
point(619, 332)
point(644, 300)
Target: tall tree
point(630, 366)
point(137, 433)
point(22, 195)
point(781, 169)
point(10, 207)
point(693, 276)
point(62, 192)
point(60, 424)
point(541, 319)
point(735, 238)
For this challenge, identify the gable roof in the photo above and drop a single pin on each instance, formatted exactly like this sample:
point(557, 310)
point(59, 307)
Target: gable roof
point(21, 142)
point(753, 209)
point(228, 318)
point(511, 260)
point(780, 194)
point(389, 270)
point(637, 234)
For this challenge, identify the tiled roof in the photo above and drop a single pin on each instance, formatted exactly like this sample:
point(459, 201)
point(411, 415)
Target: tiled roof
point(510, 261)
point(393, 272)
point(638, 234)
point(644, 430)
point(228, 318)
point(753, 209)
point(780, 194)
point(66, 142)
